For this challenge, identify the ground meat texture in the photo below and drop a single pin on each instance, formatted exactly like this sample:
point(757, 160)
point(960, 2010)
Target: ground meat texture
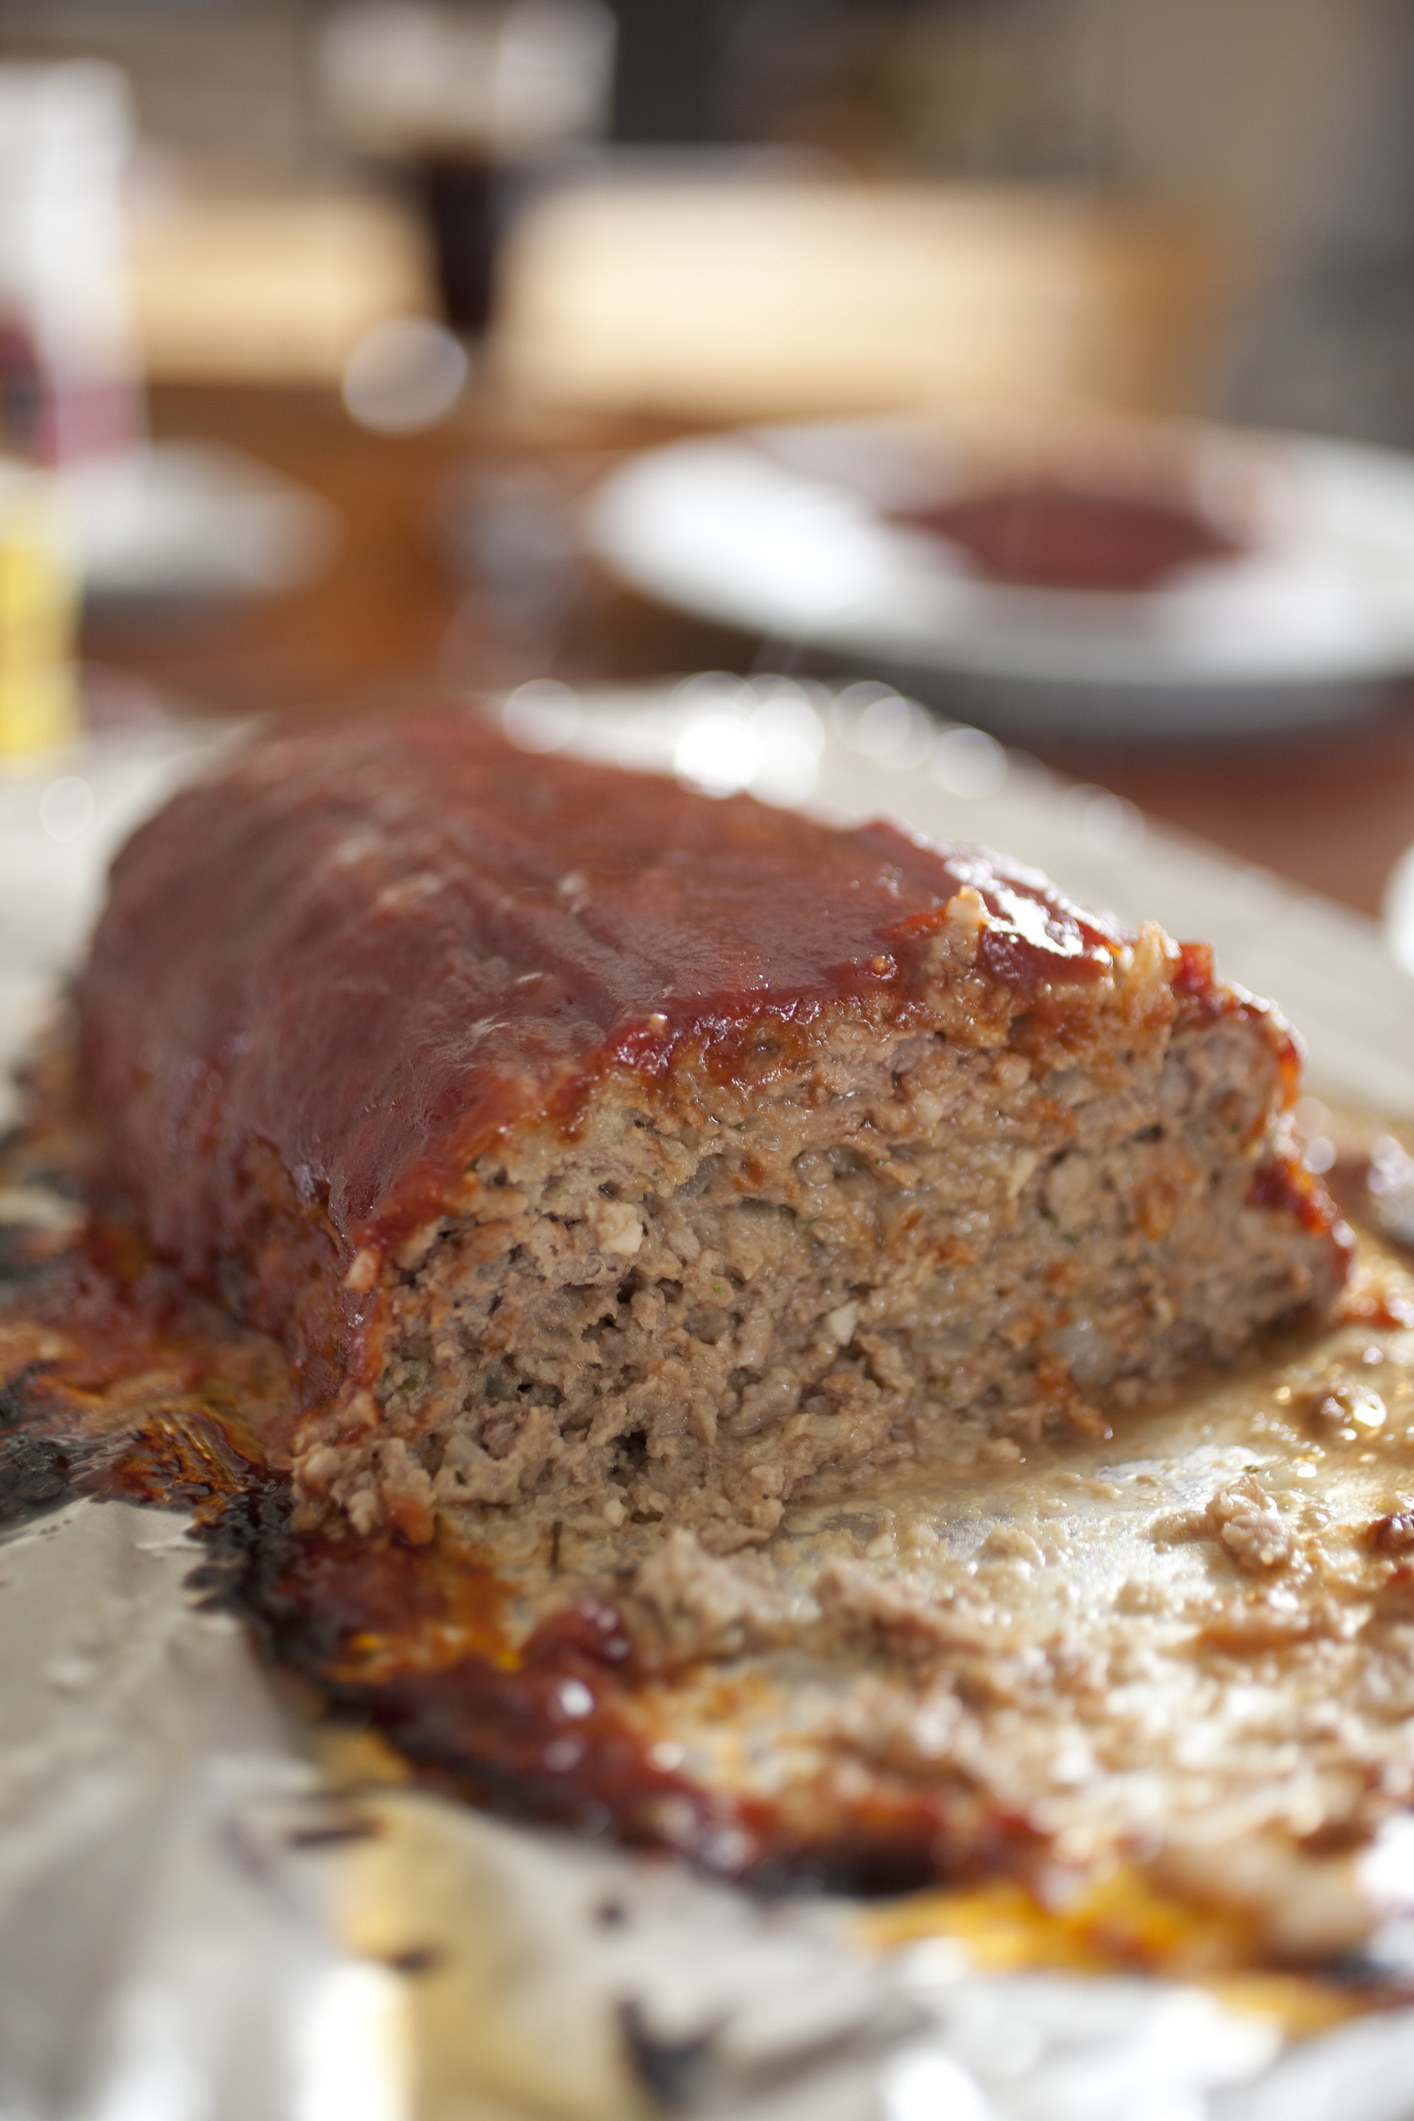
point(608, 1151)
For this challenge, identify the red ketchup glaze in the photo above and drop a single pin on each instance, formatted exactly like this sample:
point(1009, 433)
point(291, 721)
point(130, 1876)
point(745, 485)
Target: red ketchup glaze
point(328, 980)
point(1282, 1183)
point(1289, 1188)
point(1203, 998)
point(1060, 534)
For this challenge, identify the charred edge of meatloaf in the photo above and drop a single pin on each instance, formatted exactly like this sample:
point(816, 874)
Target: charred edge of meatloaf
point(900, 1246)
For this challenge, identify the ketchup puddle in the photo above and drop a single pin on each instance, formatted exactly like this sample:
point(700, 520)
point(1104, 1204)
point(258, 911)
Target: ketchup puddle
point(1063, 535)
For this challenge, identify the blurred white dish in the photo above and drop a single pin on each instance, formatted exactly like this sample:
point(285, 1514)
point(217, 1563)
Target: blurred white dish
point(785, 531)
point(179, 520)
point(62, 819)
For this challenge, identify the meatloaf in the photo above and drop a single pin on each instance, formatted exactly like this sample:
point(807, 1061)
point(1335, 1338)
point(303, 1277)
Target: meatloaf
point(600, 1149)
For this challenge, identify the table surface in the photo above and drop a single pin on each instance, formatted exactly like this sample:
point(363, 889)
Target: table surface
point(458, 563)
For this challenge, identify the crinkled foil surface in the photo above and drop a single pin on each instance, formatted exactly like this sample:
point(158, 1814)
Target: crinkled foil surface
point(200, 1922)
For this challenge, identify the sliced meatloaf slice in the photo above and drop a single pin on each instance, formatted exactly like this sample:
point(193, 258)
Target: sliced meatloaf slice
point(601, 1149)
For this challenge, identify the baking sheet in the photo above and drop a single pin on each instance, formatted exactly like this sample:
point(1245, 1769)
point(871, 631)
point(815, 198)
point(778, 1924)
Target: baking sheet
point(197, 1920)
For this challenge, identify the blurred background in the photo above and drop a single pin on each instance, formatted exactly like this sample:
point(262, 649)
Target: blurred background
point(973, 346)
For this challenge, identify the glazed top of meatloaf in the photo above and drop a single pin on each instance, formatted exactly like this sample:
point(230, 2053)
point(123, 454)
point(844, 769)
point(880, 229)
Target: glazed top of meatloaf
point(335, 974)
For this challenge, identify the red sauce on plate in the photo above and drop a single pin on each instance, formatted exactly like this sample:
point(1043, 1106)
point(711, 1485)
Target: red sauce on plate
point(1055, 534)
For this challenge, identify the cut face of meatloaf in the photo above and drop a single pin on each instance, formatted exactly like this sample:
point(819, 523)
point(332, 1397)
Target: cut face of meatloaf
point(601, 1149)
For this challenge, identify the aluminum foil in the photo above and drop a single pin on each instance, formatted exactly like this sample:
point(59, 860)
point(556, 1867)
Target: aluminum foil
point(198, 1925)
point(164, 1952)
point(203, 1919)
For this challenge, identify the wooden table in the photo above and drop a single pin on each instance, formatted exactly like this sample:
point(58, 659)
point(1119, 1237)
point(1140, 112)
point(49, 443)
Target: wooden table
point(1331, 810)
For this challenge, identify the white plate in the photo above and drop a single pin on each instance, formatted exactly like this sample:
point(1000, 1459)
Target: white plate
point(782, 531)
point(181, 520)
point(62, 818)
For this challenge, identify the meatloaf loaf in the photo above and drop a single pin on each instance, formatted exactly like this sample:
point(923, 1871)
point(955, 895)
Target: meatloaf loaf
point(601, 1149)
